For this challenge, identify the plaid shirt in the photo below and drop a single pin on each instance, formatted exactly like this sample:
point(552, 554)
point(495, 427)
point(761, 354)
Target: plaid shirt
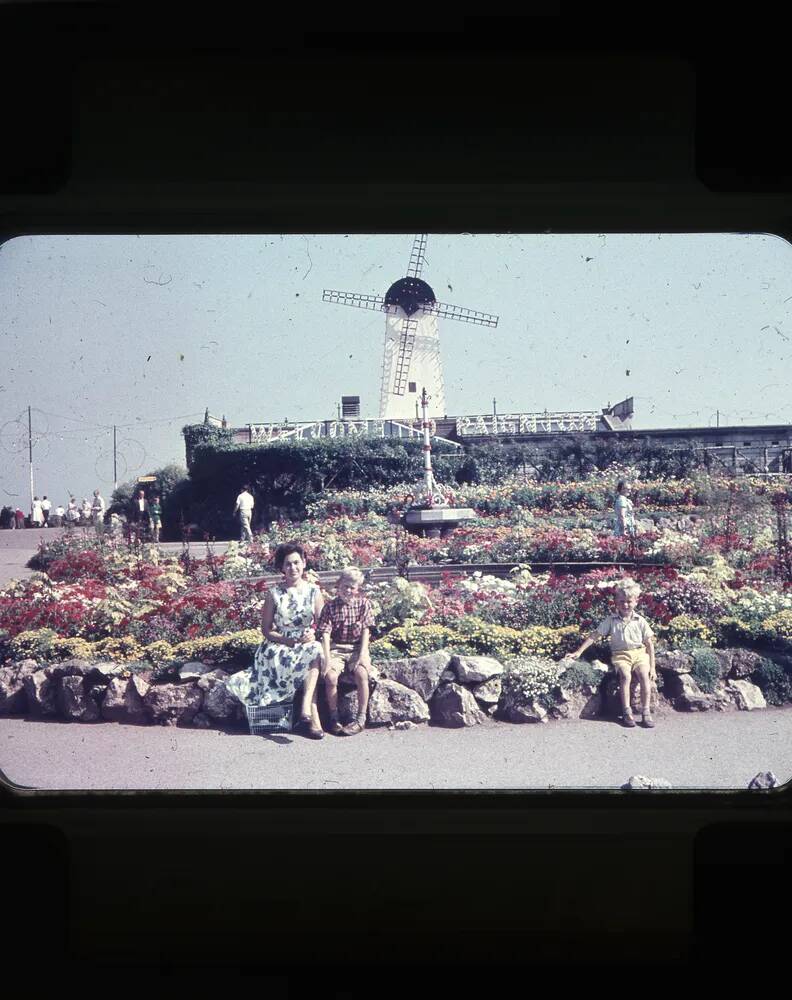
point(345, 622)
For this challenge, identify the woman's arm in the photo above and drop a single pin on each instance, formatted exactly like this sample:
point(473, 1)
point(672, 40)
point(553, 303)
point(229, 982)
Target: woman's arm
point(364, 643)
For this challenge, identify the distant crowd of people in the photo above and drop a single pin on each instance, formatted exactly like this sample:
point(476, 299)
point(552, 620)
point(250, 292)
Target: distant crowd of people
point(143, 517)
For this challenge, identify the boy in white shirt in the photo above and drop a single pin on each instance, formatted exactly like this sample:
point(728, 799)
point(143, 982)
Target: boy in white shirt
point(632, 650)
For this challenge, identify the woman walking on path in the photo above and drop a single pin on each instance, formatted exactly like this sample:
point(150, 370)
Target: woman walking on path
point(624, 523)
point(290, 654)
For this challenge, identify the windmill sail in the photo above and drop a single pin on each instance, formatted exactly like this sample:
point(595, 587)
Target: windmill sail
point(460, 314)
point(417, 256)
point(404, 356)
point(376, 302)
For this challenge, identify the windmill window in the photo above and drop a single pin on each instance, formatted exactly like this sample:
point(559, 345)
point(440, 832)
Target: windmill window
point(411, 387)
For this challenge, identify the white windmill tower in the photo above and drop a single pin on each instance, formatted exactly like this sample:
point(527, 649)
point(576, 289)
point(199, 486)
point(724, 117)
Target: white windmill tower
point(411, 362)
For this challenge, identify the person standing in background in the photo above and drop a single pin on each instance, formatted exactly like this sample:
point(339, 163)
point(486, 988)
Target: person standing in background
point(97, 509)
point(58, 516)
point(155, 517)
point(36, 514)
point(46, 507)
point(244, 507)
point(19, 516)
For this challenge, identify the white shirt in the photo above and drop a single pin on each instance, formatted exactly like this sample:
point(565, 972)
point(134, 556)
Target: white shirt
point(46, 504)
point(244, 503)
point(629, 634)
point(59, 511)
point(98, 505)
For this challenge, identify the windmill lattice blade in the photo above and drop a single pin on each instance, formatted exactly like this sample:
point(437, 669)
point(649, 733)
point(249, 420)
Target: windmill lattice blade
point(406, 344)
point(375, 302)
point(461, 314)
point(417, 259)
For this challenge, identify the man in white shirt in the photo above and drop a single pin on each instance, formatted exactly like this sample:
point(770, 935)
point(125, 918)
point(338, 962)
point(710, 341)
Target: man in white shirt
point(244, 507)
point(46, 507)
point(97, 509)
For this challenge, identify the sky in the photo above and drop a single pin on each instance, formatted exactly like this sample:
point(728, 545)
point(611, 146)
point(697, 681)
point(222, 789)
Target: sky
point(145, 332)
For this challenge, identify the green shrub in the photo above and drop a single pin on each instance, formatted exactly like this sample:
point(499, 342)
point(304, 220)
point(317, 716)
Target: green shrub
point(774, 680)
point(580, 675)
point(706, 668)
point(34, 645)
point(528, 678)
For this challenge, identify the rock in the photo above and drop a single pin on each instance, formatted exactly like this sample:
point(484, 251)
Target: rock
point(585, 703)
point(193, 670)
point(69, 668)
point(743, 663)
point(686, 695)
point(74, 700)
point(722, 698)
point(724, 660)
point(454, 706)
point(123, 701)
point(347, 706)
point(41, 693)
point(403, 725)
point(489, 692)
point(13, 698)
point(531, 711)
point(673, 661)
point(208, 680)
point(448, 676)
point(475, 669)
point(218, 701)
point(420, 673)
point(173, 704)
point(599, 665)
point(394, 702)
point(639, 782)
point(747, 695)
point(202, 721)
point(610, 703)
point(764, 779)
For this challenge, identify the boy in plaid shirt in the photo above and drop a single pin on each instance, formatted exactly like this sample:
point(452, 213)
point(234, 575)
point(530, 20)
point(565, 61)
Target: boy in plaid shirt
point(343, 630)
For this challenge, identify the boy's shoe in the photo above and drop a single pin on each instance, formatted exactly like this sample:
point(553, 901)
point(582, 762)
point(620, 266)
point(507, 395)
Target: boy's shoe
point(647, 721)
point(305, 727)
point(627, 720)
point(336, 728)
point(352, 729)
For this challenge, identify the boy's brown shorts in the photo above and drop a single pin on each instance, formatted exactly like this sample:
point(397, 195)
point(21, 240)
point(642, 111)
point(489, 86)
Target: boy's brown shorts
point(344, 658)
point(627, 661)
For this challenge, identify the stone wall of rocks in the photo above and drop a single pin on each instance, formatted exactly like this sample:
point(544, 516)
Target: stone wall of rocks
point(442, 688)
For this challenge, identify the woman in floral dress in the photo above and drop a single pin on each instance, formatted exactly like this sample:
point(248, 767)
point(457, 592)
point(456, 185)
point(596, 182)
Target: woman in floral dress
point(290, 654)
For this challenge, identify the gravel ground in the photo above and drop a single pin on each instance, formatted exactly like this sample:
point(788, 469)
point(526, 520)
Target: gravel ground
point(691, 750)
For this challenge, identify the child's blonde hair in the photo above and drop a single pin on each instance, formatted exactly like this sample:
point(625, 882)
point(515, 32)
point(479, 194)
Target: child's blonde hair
point(352, 574)
point(628, 587)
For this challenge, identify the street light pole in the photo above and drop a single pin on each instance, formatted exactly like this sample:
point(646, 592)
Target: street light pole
point(30, 454)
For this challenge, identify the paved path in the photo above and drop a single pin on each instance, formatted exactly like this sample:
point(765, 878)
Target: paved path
point(709, 750)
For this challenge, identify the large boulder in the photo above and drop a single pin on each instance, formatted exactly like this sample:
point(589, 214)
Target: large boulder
point(673, 661)
point(585, 702)
point(75, 701)
point(523, 711)
point(173, 704)
point(13, 698)
point(743, 663)
point(193, 671)
point(420, 673)
point(218, 702)
point(124, 701)
point(69, 668)
point(488, 693)
point(747, 695)
point(454, 706)
point(722, 698)
point(394, 702)
point(475, 669)
point(686, 695)
point(41, 693)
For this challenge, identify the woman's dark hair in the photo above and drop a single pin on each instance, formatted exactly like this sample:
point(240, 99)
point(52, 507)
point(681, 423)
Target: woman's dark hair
point(620, 486)
point(286, 549)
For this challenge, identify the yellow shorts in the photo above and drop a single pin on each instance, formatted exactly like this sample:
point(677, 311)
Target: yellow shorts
point(627, 661)
point(344, 658)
